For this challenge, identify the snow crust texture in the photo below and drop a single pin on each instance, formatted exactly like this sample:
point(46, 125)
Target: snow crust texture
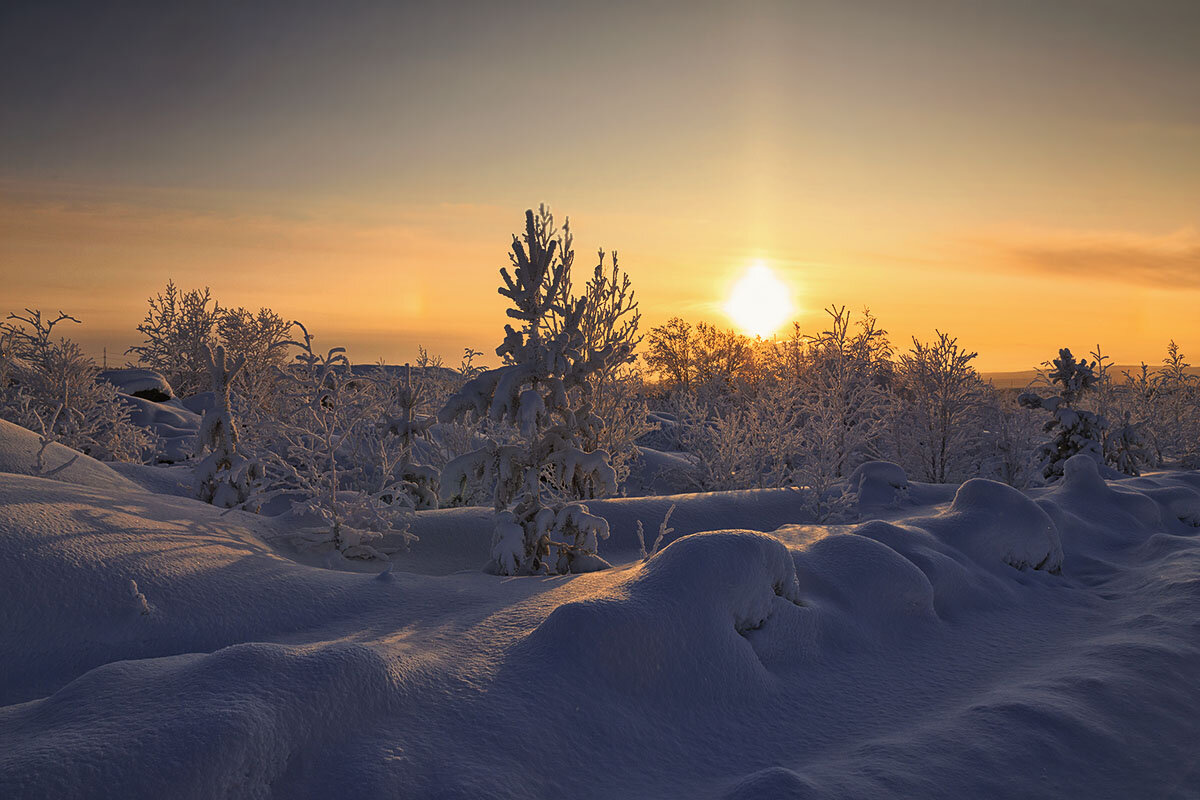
point(985, 643)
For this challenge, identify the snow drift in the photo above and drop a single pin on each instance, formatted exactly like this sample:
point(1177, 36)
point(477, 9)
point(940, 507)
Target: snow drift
point(995, 644)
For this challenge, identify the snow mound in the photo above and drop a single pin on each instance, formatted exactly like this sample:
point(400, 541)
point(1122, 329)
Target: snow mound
point(174, 424)
point(995, 523)
point(865, 578)
point(240, 715)
point(153, 405)
point(777, 783)
point(18, 455)
point(701, 595)
point(878, 484)
point(143, 383)
point(1089, 512)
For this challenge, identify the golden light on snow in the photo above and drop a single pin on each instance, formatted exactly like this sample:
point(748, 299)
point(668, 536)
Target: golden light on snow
point(759, 302)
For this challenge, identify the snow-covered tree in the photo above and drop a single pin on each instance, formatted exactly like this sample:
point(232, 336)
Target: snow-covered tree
point(670, 353)
point(1177, 394)
point(610, 327)
point(224, 475)
point(1142, 400)
point(258, 339)
point(1009, 435)
point(1073, 430)
point(538, 528)
point(177, 328)
point(935, 418)
point(845, 390)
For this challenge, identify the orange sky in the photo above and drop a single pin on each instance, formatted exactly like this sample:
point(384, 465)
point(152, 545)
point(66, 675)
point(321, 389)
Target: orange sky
point(1022, 177)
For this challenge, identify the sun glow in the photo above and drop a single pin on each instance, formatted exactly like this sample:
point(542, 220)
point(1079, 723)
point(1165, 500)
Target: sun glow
point(759, 302)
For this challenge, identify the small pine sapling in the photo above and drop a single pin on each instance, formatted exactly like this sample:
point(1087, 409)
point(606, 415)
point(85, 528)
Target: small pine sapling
point(1073, 430)
point(1126, 448)
point(419, 482)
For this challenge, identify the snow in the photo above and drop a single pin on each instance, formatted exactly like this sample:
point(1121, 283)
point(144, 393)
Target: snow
point(144, 383)
point(18, 455)
point(973, 641)
point(153, 405)
point(878, 484)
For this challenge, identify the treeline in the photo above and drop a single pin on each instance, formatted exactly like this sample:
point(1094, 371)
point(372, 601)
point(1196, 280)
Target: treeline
point(577, 398)
point(809, 407)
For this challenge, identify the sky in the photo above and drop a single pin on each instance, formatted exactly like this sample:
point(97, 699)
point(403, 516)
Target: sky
point(1021, 175)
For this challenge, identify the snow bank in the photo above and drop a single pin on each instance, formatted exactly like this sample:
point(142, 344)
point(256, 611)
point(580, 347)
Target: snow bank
point(18, 455)
point(702, 594)
point(151, 646)
point(878, 484)
point(995, 523)
point(141, 383)
point(220, 725)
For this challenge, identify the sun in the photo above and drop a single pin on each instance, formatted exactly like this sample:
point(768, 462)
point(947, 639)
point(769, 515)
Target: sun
point(759, 302)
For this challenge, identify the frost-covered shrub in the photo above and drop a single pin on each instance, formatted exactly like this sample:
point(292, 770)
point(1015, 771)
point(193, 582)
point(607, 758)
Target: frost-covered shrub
point(1008, 438)
point(1126, 448)
point(845, 392)
point(177, 329)
point(402, 430)
point(259, 341)
point(314, 454)
point(1073, 430)
point(1142, 400)
point(936, 410)
point(224, 475)
point(753, 444)
point(52, 388)
point(1177, 395)
point(537, 528)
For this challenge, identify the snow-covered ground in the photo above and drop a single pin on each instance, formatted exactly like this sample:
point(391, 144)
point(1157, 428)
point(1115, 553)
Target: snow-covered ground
point(964, 642)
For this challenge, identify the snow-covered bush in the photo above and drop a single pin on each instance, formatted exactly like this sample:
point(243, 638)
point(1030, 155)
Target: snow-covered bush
point(936, 411)
point(1178, 398)
point(258, 340)
point(313, 455)
point(537, 528)
point(224, 475)
point(752, 444)
point(845, 393)
point(177, 328)
point(1141, 399)
point(52, 388)
point(1126, 448)
point(1008, 438)
point(1073, 430)
point(405, 427)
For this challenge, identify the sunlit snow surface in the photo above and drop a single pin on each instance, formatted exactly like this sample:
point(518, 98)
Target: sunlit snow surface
point(989, 644)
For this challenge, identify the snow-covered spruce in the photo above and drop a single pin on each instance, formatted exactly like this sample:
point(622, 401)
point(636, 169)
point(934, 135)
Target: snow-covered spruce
point(1075, 430)
point(539, 525)
point(225, 476)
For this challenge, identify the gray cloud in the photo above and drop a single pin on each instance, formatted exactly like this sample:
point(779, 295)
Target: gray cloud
point(1171, 261)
